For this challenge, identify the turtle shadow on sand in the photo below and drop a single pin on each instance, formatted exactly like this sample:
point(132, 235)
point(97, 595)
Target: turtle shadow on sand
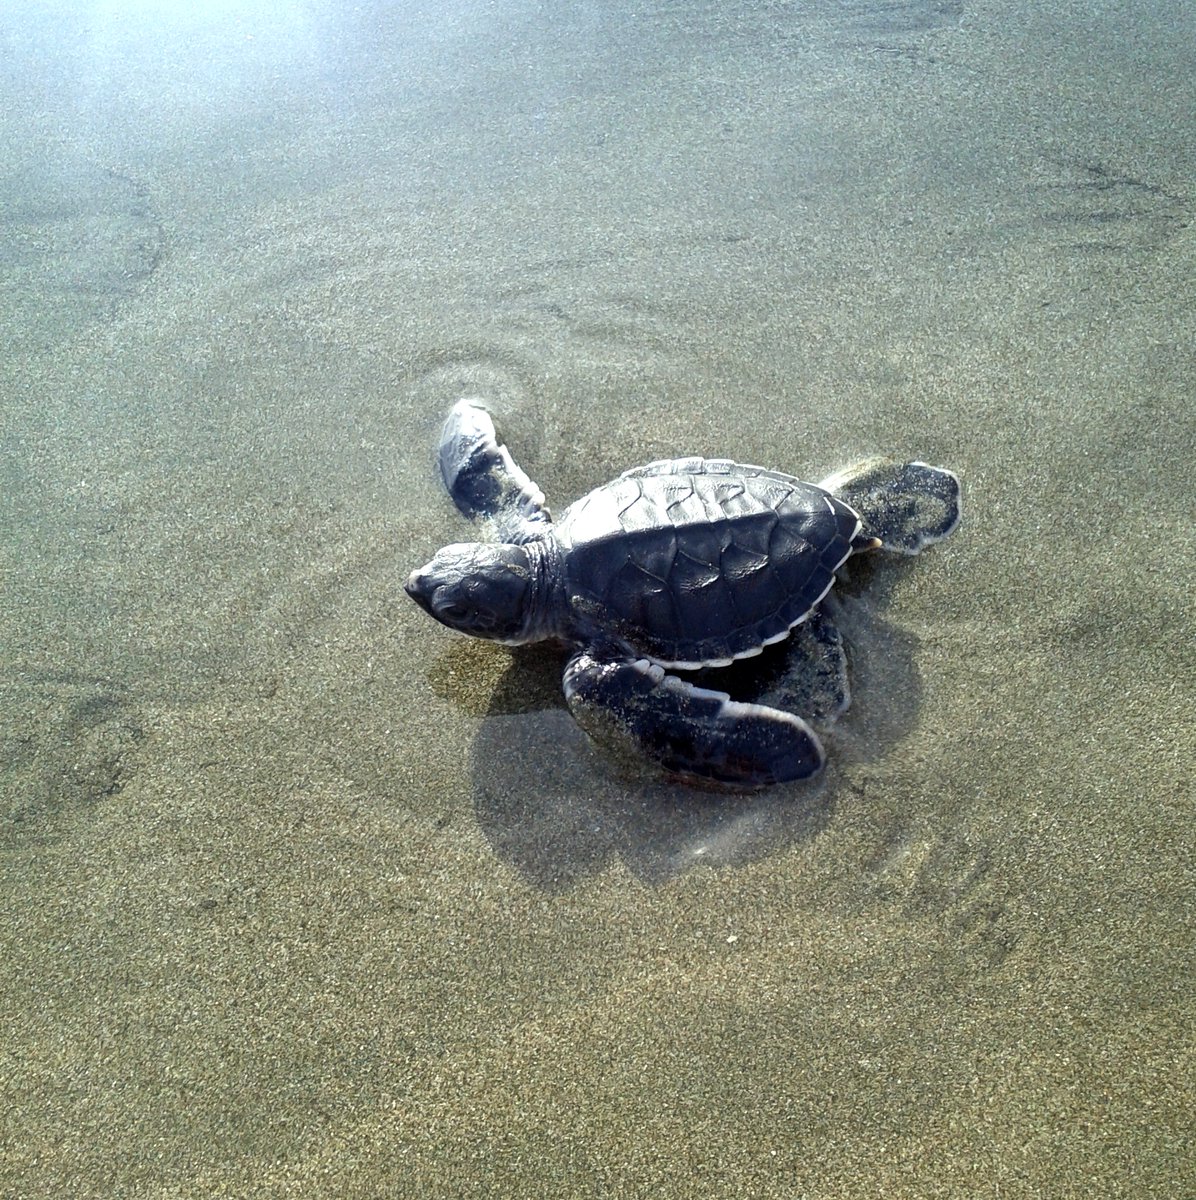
point(557, 807)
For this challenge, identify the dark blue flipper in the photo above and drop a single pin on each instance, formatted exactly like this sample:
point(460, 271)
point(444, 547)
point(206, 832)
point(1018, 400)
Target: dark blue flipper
point(814, 682)
point(635, 705)
point(907, 505)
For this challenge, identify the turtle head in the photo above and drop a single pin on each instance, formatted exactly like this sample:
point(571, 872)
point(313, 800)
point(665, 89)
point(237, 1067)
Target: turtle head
point(481, 589)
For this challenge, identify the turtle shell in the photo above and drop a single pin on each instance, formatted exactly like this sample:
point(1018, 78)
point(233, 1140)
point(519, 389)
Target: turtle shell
point(696, 562)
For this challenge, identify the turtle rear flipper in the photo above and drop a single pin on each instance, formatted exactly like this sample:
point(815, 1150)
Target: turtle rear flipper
point(814, 681)
point(907, 505)
point(484, 480)
point(634, 704)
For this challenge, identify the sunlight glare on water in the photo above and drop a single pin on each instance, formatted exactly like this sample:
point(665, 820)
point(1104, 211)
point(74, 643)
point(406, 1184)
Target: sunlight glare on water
point(222, 42)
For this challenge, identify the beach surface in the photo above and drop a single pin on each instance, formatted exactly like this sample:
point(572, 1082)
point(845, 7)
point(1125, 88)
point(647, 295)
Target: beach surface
point(305, 896)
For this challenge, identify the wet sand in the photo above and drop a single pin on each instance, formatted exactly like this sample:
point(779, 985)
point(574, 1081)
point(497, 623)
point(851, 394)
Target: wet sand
point(303, 896)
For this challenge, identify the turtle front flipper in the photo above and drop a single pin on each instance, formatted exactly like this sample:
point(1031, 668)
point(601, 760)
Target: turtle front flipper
point(634, 704)
point(907, 505)
point(484, 480)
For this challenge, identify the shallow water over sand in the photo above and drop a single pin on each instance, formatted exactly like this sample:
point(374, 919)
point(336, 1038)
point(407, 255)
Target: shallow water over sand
point(305, 896)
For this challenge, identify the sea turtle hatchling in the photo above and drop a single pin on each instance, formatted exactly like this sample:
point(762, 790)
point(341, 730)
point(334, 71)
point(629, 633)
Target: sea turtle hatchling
point(682, 564)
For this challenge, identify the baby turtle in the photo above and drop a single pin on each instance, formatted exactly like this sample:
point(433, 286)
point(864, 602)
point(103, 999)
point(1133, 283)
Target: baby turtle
point(682, 564)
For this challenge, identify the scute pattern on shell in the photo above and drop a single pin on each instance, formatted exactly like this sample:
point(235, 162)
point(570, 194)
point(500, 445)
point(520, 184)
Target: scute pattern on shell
point(696, 567)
